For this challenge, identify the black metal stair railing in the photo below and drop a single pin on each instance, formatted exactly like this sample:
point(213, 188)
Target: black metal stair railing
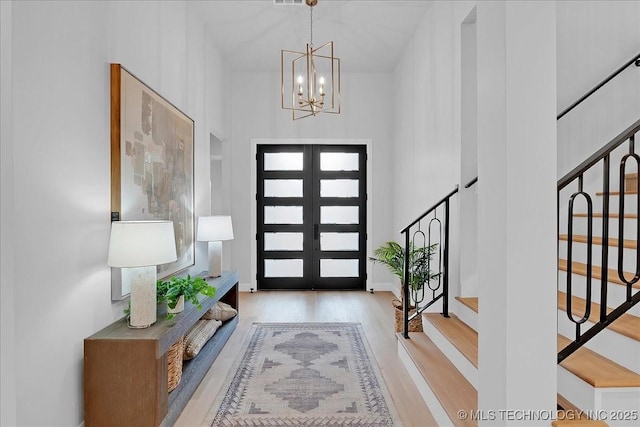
point(635, 61)
point(426, 261)
point(601, 157)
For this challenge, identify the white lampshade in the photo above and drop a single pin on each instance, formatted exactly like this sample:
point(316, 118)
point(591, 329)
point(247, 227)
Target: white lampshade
point(141, 243)
point(139, 246)
point(214, 228)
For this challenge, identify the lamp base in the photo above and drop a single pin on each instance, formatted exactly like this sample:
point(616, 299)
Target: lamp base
point(215, 259)
point(143, 297)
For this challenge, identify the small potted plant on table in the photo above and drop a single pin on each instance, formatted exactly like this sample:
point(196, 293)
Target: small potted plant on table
point(178, 289)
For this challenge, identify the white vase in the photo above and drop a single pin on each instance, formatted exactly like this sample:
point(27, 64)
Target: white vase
point(179, 306)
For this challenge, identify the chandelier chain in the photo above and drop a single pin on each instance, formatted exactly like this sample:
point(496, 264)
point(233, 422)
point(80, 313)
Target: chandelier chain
point(311, 28)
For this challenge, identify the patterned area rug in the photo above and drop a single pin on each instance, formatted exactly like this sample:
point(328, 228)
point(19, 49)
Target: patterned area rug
point(305, 374)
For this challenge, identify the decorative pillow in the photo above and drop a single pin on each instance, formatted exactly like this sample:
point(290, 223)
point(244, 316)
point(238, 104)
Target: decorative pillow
point(220, 311)
point(198, 336)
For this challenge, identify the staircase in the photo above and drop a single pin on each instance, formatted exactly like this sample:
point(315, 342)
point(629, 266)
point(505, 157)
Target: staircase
point(598, 316)
point(598, 306)
point(587, 381)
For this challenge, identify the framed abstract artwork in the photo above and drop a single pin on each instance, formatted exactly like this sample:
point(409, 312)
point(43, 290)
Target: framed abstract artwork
point(152, 166)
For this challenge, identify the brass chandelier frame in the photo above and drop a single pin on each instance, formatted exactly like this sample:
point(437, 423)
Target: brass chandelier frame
point(314, 86)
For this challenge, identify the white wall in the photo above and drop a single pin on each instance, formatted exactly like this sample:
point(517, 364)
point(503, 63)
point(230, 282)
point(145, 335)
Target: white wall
point(426, 159)
point(594, 39)
point(517, 207)
point(427, 132)
point(61, 184)
point(7, 235)
point(256, 113)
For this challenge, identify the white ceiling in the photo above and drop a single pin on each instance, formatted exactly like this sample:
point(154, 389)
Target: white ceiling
point(368, 35)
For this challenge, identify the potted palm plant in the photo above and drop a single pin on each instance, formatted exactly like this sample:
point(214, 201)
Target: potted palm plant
point(392, 254)
point(178, 289)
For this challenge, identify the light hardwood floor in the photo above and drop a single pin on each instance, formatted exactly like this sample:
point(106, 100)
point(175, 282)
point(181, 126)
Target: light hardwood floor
point(373, 311)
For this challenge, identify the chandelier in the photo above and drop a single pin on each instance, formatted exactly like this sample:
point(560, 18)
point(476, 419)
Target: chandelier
point(312, 83)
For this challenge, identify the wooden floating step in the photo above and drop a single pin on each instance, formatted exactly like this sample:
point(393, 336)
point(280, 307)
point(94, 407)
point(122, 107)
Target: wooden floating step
point(596, 370)
point(571, 416)
point(464, 338)
point(612, 275)
point(631, 182)
point(451, 388)
point(471, 302)
point(613, 241)
point(616, 193)
point(627, 324)
point(611, 215)
point(574, 419)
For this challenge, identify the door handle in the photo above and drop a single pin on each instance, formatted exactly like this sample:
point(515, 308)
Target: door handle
point(316, 232)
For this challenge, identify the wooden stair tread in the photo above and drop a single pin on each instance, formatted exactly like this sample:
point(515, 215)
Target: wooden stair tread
point(627, 324)
point(464, 338)
point(581, 269)
point(572, 416)
point(573, 419)
point(567, 406)
point(471, 302)
point(611, 215)
point(615, 193)
point(613, 241)
point(451, 388)
point(595, 369)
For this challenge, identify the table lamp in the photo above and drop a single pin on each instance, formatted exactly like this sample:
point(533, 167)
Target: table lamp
point(140, 246)
point(214, 229)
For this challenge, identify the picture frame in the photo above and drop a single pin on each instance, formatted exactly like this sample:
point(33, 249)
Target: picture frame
point(152, 168)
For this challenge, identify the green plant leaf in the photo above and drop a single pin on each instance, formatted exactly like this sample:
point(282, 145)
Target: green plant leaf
point(171, 290)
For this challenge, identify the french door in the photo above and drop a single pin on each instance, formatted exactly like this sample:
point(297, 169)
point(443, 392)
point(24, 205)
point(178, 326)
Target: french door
point(311, 202)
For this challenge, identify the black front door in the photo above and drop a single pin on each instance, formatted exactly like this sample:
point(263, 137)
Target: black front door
point(311, 202)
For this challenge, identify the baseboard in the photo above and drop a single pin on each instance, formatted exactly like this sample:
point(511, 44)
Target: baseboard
point(377, 287)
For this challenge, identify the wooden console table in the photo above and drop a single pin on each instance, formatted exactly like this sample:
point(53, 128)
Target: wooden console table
point(125, 370)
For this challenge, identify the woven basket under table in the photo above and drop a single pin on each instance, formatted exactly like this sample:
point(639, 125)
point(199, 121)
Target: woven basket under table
point(174, 362)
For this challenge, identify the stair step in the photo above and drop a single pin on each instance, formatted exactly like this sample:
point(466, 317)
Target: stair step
point(471, 302)
point(629, 244)
point(573, 419)
point(611, 215)
point(627, 324)
point(450, 387)
point(615, 193)
point(631, 182)
point(596, 370)
point(572, 416)
point(464, 338)
point(581, 269)
point(567, 405)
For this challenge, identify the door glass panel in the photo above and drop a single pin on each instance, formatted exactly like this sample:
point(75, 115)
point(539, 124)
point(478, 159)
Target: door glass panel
point(339, 214)
point(338, 188)
point(283, 268)
point(339, 241)
point(283, 214)
point(339, 268)
point(282, 188)
point(283, 161)
point(339, 161)
point(283, 241)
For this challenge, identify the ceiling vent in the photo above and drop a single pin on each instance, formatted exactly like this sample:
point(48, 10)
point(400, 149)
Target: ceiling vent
point(288, 2)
